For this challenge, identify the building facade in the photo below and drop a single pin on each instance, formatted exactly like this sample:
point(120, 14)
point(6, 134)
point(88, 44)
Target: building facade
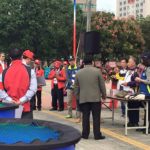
point(146, 11)
point(83, 4)
point(134, 8)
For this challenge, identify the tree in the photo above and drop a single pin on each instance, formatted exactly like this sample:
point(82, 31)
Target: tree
point(118, 37)
point(145, 25)
point(44, 26)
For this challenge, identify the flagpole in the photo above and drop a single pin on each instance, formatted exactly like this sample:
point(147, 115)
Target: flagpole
point(74, 31)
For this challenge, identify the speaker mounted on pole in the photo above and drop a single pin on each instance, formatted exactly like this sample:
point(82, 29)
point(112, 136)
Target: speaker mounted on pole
point(91, 42)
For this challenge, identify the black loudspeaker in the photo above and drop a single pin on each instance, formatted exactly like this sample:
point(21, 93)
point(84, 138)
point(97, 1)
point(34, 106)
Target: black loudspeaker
point(81, 42)
point(91, 42)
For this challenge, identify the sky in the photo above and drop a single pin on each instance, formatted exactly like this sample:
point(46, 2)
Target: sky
point(106, 5)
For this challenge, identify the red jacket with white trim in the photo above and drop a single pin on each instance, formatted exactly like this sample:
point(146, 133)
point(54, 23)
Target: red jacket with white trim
point(17, 81)
point(58, 77)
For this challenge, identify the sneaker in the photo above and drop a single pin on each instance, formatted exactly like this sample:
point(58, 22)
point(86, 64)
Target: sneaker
point(78, 120)
point(68, 116)
point(60, 109)
point(140, 130)
point(129, 124)
point(34, 108)
point(123, 116)
point(100, 137)
point(84, 137)
point(144, 131)
point(52, 109)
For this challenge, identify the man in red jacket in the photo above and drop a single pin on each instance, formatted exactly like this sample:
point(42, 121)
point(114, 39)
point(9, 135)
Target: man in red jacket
point(27, 60)
point(16, 85)
point(58, 77)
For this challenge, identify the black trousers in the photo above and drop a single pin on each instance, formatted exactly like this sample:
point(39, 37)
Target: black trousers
point(95, 108)
point(77, 105)
point(57, 94)
point(133, 115)
point(36, 99)
point(27, 115)
point(32, 102)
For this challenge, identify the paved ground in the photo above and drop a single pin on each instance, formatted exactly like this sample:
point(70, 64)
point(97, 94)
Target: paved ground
point(115, 138)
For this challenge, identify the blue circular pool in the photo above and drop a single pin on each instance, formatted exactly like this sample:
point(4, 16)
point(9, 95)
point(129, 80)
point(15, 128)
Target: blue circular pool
point(19, 134)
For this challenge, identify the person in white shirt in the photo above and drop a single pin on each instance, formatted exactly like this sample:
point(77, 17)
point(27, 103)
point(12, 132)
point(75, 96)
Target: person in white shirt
point(2, 62)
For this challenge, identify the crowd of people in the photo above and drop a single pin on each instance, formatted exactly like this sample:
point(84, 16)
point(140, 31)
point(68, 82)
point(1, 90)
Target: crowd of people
point(125, 75)
point(84, 81)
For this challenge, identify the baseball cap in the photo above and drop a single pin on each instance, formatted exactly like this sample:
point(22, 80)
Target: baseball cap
point(37, 61)
point(28, 54)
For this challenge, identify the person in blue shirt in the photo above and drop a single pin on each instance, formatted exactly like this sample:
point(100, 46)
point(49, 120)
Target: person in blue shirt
point(71, 73)
point(144, 82)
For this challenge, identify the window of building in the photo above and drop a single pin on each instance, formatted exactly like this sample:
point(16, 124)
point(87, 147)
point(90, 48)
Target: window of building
point(141, 4)
point(141, 15)
point(141, 10)
point(82, 6)
point(120, 9)
point(124, 2)
point(124, 8)
point(124, 14)
point(120, 15)
point(93, 6)
point(120, 3)
point(137, 16)
point(137, 5)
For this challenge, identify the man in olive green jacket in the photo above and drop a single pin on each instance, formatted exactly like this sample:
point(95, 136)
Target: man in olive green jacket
point(90, 88)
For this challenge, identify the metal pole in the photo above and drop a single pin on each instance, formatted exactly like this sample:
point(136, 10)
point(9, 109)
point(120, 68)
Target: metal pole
point(126, 118)
point(147, 122)
point(88, 3)
point(74, 30)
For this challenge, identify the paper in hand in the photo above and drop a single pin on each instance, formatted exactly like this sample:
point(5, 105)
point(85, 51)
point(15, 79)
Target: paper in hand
point(41, 81)
point(18, 111)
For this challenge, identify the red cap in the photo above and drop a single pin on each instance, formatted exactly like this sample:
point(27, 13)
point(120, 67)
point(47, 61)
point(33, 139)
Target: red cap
point(57, 64)
point(38, 62)
point(28, 54)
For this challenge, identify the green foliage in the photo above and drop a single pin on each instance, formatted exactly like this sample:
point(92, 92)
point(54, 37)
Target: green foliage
point(118, 37)
point(44, 26)
point(145, 26)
